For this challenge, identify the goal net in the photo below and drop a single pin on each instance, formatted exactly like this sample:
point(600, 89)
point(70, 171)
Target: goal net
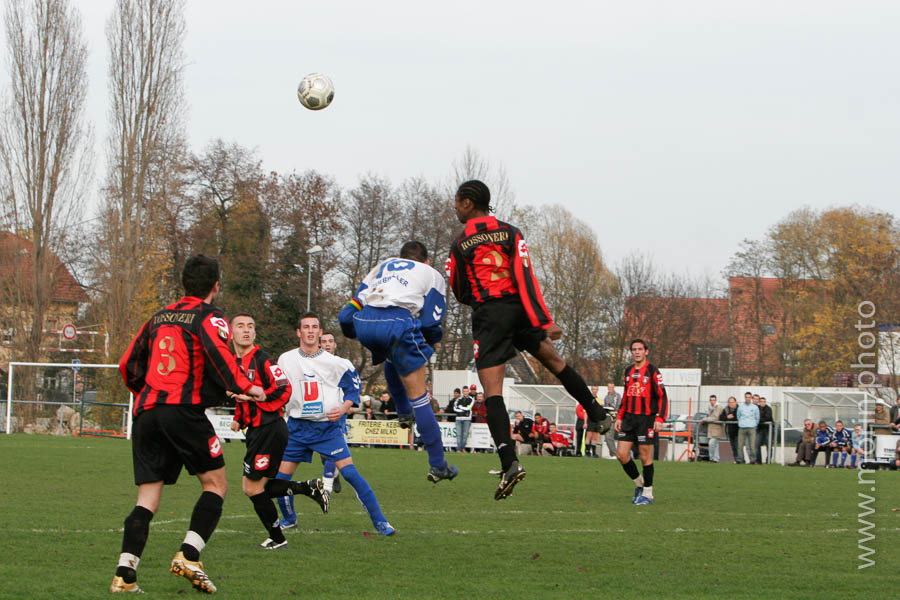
point(65, 399)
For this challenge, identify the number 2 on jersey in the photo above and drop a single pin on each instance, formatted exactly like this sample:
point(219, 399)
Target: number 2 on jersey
point(495, 259)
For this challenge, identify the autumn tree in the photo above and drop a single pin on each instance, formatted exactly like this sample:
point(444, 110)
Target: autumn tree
point(45, 146)
point(573, 279)
point(145, 40)
point(843, 257)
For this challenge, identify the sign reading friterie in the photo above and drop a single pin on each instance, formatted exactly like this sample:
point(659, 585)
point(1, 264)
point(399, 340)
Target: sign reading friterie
point(376, 432)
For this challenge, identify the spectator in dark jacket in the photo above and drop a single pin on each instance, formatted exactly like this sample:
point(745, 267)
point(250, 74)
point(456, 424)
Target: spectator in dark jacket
point(729, 415)
point(765, 428)
point(451, 415)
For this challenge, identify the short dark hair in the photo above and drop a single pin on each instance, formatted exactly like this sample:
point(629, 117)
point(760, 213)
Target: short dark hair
point(199, 275)
point(457, 390)
point(308, 315)
point(713, 396)
point(233, 317)
point(415, 250)
point(748, 393)
point(640, 341)
point(477, 192)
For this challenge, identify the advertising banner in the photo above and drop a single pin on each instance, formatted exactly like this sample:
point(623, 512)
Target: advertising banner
point(387, 433)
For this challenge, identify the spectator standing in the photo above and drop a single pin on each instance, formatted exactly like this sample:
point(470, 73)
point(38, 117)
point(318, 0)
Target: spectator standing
point(895, 411)
point(387, 406)
point(714, 430)
point(748, 421)
point(729, 415)
point(612, 401)
point(580, 417)
point(479, 409)
point(764, 430)
point(542, 430)
point(463, 411)
point(881, 421)
point(451, 414)
point(807, 444)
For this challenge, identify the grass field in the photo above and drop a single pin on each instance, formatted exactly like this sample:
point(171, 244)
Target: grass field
point(568, 530)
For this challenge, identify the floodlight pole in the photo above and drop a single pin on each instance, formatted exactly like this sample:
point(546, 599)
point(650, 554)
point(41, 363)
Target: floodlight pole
point(317, 249)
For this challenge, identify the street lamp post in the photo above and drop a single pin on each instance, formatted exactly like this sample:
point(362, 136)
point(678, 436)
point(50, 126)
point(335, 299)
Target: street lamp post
point(317, 249)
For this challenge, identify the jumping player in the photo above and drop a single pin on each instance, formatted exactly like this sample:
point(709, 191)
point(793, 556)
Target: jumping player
point(491, 271)
point(267, 433)
point(644, 408)
point(324, 387)
point(396, 314)
point(178, 365)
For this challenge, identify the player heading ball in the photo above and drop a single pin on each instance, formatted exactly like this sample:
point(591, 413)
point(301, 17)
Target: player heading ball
point(491, 271)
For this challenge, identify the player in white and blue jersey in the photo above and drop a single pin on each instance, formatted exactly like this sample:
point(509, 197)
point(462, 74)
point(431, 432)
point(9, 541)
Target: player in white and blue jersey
point(397, 314)
point(323, 388)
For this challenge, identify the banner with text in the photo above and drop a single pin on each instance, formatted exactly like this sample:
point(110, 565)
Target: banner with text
point(479, 435)
point(387, 433)
point(222, 425)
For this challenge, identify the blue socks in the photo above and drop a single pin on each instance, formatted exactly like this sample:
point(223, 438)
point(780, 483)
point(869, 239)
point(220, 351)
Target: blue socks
point(364, 493)
point(429, 431)
point(286, 503)
point(328, 468)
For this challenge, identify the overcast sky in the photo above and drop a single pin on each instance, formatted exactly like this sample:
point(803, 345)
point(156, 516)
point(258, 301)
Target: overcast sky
point(672, 128)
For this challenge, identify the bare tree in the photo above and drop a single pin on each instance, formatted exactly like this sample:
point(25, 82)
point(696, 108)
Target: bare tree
point(45, 144)
point(472, 165)
point(573, 279)
point(146, 137)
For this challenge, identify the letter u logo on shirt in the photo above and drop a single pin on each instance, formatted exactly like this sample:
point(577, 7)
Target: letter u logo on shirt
point(310, 391)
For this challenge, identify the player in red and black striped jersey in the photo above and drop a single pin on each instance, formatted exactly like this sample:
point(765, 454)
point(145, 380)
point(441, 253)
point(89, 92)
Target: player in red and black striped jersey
point(491, 271)
point(644, 408)
point(178, 364)
point(267, 433)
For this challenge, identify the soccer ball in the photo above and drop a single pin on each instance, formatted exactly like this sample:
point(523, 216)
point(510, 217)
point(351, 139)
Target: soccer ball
point(315, 91)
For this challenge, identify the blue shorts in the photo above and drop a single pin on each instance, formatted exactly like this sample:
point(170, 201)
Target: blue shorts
point(306, 437)
point(392, 334)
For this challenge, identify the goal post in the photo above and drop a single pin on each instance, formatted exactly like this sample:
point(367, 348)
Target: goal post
point(66, 399)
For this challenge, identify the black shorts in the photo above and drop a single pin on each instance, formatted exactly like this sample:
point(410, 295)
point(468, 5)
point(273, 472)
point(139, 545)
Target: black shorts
point(592, 426)
point(637, 429)
point(499, 328)
point(265, 446)
point(165, 438)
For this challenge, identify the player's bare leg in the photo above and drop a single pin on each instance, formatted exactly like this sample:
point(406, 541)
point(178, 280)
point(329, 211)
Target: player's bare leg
point(204, 519)
point(134, 538)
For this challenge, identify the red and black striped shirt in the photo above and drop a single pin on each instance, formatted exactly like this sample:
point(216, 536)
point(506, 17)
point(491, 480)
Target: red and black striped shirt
point(645, 393)
point(264, 372)
point(181, 356)
point(490, 260)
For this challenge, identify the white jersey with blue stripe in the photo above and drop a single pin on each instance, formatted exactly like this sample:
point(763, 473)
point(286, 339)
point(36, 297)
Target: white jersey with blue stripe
point(319, 382)
point(409, 284)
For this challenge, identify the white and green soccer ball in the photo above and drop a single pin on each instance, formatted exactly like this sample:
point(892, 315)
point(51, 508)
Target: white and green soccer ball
point(315, 91)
